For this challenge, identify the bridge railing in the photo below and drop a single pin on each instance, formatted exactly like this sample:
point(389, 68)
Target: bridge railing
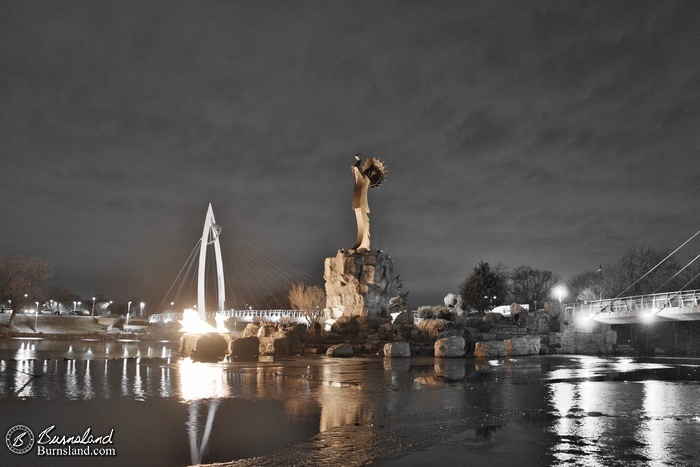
point(257, 315)
point(634, 304)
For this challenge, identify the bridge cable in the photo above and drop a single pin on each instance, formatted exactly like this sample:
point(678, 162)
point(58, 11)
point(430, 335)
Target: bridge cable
point(676, 274)
point(659, 264)
point(187, 261)
point(669, 299)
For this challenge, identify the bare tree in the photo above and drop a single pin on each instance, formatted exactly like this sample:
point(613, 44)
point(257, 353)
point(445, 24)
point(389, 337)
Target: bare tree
point(529, 285)
point(23, 280)
point(586, 286)
point(640, 270)
point(309, 299)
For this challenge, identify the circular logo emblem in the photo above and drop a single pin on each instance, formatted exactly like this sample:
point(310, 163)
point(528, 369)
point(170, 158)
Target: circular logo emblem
point(19, 439)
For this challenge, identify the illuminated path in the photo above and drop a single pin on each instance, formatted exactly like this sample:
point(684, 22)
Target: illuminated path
point(670, 306)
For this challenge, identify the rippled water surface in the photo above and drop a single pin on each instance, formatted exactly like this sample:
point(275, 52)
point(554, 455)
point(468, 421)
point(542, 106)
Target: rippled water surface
point(164, 410)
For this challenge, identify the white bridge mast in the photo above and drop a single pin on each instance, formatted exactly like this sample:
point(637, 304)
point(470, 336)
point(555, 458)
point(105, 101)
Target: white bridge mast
point(210, 235)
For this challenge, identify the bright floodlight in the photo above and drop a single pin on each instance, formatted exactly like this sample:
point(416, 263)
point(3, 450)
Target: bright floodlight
point(560, 291)
point(649, 315)
point(192, 324)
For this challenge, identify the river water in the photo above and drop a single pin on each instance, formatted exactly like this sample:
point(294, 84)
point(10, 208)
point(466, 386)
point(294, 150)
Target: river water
point(164, 410)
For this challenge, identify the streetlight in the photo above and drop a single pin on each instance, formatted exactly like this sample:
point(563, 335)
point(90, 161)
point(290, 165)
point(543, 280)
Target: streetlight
point(141, 305)
point(93, 307)
point(560, 292)
point(75, 306)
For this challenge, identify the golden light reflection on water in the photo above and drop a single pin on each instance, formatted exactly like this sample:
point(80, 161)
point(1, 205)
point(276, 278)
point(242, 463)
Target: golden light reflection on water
point(201, 381)
point(201, 384)
point(342, 403)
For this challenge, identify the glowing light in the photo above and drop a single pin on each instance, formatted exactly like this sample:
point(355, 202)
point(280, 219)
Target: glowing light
point(192, 324)
point(220, 323)
point(585, 320)
point(560, 291)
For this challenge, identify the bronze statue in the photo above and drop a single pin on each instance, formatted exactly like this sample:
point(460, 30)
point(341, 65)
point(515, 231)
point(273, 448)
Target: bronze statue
point(371, 174)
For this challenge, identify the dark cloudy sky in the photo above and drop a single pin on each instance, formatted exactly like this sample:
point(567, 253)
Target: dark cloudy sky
point(550, 134)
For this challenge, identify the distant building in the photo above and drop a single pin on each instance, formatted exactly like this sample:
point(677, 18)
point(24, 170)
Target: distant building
point(505, 309)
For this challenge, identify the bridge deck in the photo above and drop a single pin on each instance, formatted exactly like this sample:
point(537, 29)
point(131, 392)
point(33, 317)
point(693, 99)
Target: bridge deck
point(670, 306)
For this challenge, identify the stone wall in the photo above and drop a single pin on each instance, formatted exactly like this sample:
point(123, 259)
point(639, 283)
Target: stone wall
point(556, 333)
point(359, 283)
point(368, 337)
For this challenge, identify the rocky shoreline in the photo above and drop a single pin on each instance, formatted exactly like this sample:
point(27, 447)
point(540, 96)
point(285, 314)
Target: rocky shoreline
point(490, 335)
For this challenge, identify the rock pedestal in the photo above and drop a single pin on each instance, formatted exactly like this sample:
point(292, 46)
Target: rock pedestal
point(360, 283)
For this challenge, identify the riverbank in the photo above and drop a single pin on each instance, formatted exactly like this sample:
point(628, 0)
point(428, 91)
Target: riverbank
point(77, 327)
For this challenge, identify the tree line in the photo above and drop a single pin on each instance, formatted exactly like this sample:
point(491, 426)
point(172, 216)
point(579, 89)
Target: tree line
point(639, 271)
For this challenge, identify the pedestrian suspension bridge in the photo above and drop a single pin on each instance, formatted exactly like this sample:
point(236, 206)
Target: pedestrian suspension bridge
point(259, 280)
point(682, 305)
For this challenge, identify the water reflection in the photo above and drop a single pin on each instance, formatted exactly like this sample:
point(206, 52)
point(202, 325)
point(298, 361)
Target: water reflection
point(639, 422)
point(586, 410)
point(201, 385)
point(27, 349)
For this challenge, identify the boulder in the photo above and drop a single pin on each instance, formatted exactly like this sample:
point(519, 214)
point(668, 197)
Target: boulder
point(251, 330)
point(210, 347)
point(279, 346)
point(245, 348)
point(188, 342)
point(397, 350)
point(405, 317)
point(490, 349)
point(350, 324)
point(455, 304)
point(340, 351)
point(434, 327)
point(298, 334)
point(266, 330)
point(525, 345)
point(450, 347)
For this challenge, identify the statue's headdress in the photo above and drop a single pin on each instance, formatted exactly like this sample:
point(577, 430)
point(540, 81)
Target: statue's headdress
point(375, 170)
